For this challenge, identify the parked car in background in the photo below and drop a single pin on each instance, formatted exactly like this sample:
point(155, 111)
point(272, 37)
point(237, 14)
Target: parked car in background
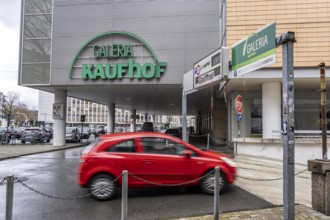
point(72, 134)
point(35, 134)
point(147, 126)
point(176, 132)
point(85, 133)
point(100, 129)
point(153, 158)
point(20, 132)
point(50, 131)
point(5, 136)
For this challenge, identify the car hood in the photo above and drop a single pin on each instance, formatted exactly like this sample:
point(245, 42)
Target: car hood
point(213, 154)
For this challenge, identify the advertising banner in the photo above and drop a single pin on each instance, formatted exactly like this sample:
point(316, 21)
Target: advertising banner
point(255, 51)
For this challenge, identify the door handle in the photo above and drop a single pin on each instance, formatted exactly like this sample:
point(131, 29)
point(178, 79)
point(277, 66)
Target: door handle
point(147, 161)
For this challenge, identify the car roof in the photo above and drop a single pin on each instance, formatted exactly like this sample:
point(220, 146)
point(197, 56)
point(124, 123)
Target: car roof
point(33, 128)
point(127, 135)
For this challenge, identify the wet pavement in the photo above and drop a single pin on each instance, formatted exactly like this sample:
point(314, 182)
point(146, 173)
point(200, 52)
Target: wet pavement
point(251, 167)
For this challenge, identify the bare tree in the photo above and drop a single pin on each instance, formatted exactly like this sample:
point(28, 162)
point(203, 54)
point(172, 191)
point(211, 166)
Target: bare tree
point(15, 110)
point(9, 103)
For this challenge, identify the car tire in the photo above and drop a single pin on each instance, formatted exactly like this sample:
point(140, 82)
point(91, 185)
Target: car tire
point(207, 183)
point(107, 185)
point(23, 141)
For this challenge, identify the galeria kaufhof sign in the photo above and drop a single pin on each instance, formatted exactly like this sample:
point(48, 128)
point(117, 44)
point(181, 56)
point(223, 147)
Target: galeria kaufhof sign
point(97, 59)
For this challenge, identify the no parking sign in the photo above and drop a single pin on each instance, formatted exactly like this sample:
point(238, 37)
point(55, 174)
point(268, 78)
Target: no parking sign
point(239, 104)
point(239, 118)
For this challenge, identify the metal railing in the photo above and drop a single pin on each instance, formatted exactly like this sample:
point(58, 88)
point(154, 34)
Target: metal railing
point(10, 180)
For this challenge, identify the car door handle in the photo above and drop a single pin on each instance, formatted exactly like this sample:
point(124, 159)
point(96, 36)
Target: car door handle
point(147, 161)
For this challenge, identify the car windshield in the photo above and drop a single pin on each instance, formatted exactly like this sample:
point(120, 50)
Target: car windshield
point(32, 129)
point(85, 130)
point(69, 130)
point(89, 147)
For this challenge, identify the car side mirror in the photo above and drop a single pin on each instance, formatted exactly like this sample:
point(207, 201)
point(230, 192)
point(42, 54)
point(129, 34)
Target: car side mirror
point(187, 153)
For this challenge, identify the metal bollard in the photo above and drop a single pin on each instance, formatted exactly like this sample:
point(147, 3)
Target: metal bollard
point(216, 192)
point(9, 197)
point(124, 195)
point(208, 141)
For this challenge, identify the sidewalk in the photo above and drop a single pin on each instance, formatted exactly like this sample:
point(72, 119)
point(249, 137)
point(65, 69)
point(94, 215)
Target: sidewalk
point(254, 174)
point(10, 151)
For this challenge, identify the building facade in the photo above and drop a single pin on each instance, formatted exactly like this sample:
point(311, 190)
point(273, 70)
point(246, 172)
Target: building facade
point(133, 55)
point(259, 132)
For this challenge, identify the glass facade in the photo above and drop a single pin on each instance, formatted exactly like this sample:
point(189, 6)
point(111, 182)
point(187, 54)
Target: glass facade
point(307, 115)
point(37, 31)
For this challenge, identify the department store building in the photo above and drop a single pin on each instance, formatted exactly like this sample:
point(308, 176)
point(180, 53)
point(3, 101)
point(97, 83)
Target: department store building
point(133, 55)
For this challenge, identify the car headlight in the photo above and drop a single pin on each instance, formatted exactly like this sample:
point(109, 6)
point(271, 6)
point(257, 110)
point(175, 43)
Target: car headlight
point(229, 161)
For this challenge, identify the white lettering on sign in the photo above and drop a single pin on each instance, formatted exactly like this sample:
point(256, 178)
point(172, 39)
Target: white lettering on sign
point(255, 45)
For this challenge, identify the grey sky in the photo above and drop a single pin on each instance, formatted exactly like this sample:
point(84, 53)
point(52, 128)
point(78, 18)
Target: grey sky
point(10, 13)
point(9, 52)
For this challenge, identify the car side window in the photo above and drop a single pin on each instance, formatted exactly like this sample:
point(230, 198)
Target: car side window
point(162, 146)
point(126, 146)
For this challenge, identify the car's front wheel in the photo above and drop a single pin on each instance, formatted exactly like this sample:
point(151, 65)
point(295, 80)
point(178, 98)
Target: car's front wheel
point(103, 187)
point(207, 183)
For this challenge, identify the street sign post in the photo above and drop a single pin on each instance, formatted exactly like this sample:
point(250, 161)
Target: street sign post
point(255, 51)
point(239, 110)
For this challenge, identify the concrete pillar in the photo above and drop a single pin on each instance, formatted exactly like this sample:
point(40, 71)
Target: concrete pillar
point(59, 114)
point(133, 123)
point(271, 109)
point(111, 117)
point(320, 185)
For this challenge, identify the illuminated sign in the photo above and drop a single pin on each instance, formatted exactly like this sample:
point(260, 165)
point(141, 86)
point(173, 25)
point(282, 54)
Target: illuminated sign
point(207, 70)
point(106, 57)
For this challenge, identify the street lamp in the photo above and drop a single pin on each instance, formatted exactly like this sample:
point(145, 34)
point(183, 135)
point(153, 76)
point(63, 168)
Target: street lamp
point(26, 118)
point(45, 114)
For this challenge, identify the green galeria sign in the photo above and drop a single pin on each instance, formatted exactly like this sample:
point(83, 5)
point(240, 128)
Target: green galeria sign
point(108, 60)
point(255, 51)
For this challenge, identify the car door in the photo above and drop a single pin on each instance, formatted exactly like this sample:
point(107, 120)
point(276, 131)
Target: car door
point(119, 156)
point(163, 161)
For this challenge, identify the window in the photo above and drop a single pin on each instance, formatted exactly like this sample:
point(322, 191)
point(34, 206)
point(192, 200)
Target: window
point(163, 146)
point(308, 114)
point(126, 146)
point(256, 117)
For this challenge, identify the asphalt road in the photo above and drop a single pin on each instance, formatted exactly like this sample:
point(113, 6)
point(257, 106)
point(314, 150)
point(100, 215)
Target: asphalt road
point(55, 175)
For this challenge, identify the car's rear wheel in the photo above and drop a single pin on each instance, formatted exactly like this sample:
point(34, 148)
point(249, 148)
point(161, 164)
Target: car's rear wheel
point(103, 187)
point(207, 183)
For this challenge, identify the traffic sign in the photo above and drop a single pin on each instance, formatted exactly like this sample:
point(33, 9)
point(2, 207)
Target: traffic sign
point(239, 104)
point(239, 118)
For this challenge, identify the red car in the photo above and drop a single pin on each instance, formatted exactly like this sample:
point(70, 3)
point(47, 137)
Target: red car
point(152, 160)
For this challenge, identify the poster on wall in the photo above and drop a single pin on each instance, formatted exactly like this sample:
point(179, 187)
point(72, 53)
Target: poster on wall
point(58, 111)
